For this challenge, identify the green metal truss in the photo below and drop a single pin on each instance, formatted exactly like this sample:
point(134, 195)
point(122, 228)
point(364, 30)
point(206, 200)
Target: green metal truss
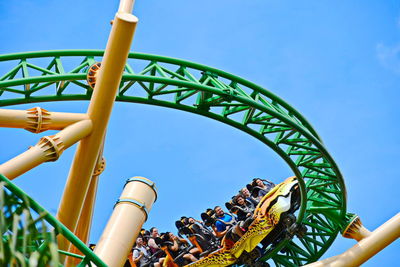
point(168, 82)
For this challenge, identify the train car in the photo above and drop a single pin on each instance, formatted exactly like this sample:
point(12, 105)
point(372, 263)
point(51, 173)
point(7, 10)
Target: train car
point(272, 220)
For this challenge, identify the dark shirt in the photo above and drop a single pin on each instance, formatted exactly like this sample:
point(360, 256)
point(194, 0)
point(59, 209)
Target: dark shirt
point(243, 213)
point(267, 188)
point(174, 254)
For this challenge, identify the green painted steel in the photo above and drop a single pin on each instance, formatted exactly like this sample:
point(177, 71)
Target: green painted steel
point(168, 82)
point(29, 232)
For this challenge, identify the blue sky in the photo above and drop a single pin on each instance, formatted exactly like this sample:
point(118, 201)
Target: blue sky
point(338, 63)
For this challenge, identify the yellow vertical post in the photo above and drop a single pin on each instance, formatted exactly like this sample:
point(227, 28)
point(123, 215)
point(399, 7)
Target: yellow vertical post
point(99, 112)
point(130, 212)
point(85, 219)
point(126, 6)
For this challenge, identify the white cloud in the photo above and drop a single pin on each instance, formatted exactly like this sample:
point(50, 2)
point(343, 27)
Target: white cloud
point(389, 56)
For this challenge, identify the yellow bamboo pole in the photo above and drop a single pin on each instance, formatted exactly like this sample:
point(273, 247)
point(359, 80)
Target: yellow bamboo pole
point(49, 148)
point(99, 111)
point(130, 212)
point(38, 120)
point(366, 248)
point(126, 6)
point(85, 219)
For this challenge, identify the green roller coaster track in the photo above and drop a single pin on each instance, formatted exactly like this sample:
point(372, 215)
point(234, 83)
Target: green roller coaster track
point(149, 79)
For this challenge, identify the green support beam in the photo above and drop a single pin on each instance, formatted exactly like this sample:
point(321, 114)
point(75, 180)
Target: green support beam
point(29, 232)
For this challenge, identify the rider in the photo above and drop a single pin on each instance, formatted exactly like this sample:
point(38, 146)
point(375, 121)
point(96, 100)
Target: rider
point(178, 245)
point(246, 208)
point(208, 237)
point(192, 220)
point(264, 187)
point(141, 254)
point(151, 242)
point(154, 249)
point(246, 193)
point(223, 223)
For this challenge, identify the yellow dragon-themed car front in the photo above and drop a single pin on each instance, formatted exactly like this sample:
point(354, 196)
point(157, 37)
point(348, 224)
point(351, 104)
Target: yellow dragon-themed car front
point(283, 198)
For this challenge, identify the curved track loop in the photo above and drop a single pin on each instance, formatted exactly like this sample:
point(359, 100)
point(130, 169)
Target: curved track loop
point(156, 80)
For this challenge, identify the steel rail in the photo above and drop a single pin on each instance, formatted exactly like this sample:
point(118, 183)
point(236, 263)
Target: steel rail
point(60, 229)
point(282, 128)
point(170, 60)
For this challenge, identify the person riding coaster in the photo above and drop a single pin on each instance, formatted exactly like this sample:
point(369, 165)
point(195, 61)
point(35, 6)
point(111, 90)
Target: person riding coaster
point(247, 195)
point(198, 234)
point(241, 207)
point(178, 251)
point(222, 222)
point(259, 188)
point(244, 211)
point(239, 242)
point(141, 257)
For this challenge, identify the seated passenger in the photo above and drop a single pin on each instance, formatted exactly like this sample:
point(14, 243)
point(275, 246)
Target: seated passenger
point(192, 220)
point(151, 241)
point(141, 255)
point(200, 228)
point(176, 246)
point(145, 234)
point(246, 193)
point(205, 239)
point(264, 188)
point(223, 222)
point(245, 209)
point(154, 248)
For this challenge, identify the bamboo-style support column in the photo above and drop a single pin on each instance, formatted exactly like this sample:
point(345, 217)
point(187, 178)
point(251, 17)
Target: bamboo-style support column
point(99, 112)
point(85, 219)
point(369, 245)
point(126, 6)
point(123, 227)
point(49, 148)
point(38, 120)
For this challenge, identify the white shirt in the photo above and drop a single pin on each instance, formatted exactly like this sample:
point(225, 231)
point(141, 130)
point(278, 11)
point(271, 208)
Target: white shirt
point(136, 253)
